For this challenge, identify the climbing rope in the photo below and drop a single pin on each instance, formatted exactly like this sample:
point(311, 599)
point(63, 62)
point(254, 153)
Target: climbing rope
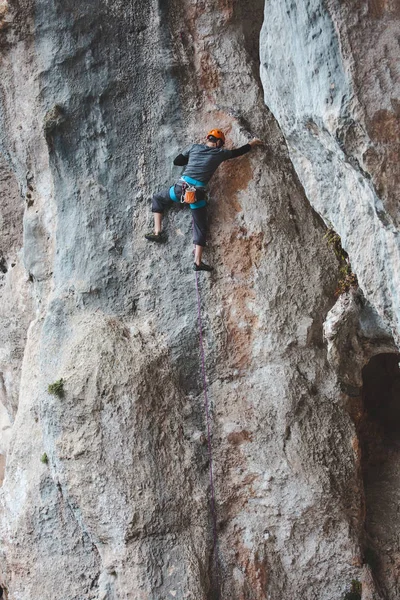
point(207, 407)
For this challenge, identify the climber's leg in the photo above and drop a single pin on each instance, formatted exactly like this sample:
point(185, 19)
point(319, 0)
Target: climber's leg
point(160, 202)
point(200, 237)
point(198, 253)
point(199, 229)
point(157, 222)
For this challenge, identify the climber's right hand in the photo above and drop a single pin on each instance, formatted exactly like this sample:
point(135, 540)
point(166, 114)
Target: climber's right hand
point(255, 142)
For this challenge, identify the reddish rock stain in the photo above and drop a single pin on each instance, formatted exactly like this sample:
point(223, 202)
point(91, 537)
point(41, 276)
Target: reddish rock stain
point(240, 256)
point(385, 127)
point(239, 437)
point(255, 570)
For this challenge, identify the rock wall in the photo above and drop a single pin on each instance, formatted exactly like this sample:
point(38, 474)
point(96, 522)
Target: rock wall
point(106, 490)
point(334, 89)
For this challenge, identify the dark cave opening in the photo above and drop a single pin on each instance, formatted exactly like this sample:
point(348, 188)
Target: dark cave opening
point(379, 432)
point(381, 393)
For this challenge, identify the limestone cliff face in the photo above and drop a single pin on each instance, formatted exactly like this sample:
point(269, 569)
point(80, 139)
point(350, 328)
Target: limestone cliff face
point(106, 488)
point(334, 89)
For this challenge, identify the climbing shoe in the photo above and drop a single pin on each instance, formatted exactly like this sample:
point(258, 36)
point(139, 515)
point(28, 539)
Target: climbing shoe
point(155, 237)
point(202, 267)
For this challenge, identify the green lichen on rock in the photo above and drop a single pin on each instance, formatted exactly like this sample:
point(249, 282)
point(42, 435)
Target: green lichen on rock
point(347, 279)
point(53, 118)
point(56, 388)
point(355, 591)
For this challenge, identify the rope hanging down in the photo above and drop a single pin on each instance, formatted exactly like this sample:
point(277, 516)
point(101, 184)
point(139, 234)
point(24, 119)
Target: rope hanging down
point(207, 407)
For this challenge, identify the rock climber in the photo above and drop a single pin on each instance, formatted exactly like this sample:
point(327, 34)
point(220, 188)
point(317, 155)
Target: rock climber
point(200, 161)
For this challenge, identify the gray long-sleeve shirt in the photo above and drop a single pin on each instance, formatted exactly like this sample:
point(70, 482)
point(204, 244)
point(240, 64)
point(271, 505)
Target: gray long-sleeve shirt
point(202, 161)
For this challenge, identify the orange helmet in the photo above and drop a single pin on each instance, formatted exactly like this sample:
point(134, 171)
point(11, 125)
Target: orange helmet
point(217, 133)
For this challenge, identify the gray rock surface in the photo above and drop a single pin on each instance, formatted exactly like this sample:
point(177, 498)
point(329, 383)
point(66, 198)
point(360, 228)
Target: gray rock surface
point(334, 89)
point(15, 307)
point(106, 490)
